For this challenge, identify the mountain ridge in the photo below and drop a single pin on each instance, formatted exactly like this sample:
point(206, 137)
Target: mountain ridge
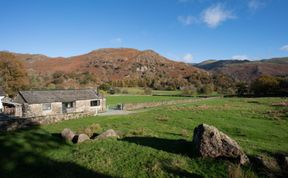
point(246, 70)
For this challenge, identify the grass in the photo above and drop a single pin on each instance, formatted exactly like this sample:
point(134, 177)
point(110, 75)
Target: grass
point(155, 143)
point(165, 92)
point(132, 90)
point(140, 91)
point(117, 99)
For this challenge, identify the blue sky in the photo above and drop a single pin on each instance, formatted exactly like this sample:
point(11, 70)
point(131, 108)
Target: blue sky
point(183, 30)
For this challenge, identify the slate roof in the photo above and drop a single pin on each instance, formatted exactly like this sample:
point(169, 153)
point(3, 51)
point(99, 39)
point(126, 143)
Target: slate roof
point(50, 96)
point(2, 93)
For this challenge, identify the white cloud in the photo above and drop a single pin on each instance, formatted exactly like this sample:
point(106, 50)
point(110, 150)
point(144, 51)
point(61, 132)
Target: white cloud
point(256, 4)
point(284, 48)
point(215, 15)
point(187, 20)
point(240, 57)
point(187, 58)
point(117, 41)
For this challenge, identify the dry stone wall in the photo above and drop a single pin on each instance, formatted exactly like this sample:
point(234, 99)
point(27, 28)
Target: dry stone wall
point(135, 106)
point(14, 123)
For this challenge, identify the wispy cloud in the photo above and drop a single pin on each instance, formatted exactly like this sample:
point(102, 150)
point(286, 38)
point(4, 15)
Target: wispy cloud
point(215, 15)
point(187, 20)
point(117, 41)
point(284, 48)
point(188, 58)
point(240, 57)
point(256, 4)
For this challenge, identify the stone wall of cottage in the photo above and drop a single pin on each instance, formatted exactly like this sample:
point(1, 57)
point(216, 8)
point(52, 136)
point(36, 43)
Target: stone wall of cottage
point(102, 105)
point(36, 110)
point(33, 114)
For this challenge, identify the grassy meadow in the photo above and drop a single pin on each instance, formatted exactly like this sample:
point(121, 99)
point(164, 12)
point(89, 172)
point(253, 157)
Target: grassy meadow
point(154, 142)
point(118, 99)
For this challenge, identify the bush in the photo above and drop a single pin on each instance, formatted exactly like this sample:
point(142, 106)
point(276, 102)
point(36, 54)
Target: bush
point(265, 85)
point(207, 89)
point(189, 91)
point(147, 91)
point(102, 92)
point(242, 89)
point(105, 87)
point(124, 91)
point(112, 91)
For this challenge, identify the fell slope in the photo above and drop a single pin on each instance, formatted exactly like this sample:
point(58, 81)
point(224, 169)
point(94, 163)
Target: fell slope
point(111, 64)
point(245, 70)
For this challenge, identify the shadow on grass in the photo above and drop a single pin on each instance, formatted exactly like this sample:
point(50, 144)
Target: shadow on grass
point(24, 154)
point(182, 173)
point(182, 147)
point(270, 164)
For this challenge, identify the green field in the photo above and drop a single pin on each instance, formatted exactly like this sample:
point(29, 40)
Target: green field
point(140, 91)
point(154, 143)
point(118, 99)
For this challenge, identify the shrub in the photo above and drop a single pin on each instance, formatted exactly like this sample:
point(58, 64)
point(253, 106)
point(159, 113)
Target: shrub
point(207, 89)
point(147, 91)
point(189, 91)
point(105, 87)
point(265, 85)
point(102, 92)
point(124, 91)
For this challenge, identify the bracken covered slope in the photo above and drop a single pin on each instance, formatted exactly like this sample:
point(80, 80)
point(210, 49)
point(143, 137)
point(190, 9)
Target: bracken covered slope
point(245, 70)
point(111, 64)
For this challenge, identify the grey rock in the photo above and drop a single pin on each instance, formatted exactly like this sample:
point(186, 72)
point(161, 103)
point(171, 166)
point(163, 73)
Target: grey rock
point(107, 134)
point(67, 134)
point(269, 163)
point(208, 141)
point(82, 137)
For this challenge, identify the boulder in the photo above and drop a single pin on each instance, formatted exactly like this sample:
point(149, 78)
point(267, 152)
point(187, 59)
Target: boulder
point(285, 165)
point(67, 134)
point(269, 163)
point(107, 134)
point(208, 141)
point(82, 137)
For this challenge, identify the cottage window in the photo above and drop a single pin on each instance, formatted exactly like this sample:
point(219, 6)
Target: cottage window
point(95, 103)
point(68, 105)
point(46, 106)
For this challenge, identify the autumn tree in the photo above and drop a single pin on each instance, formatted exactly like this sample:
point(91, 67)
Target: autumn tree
point(265, 85)
point(13, 75)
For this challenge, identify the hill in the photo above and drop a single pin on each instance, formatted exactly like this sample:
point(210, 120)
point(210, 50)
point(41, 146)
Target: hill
point(245, 70)
point(116, 65)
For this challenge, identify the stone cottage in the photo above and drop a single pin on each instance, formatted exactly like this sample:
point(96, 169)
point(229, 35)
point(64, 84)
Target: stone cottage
point(57, 104)
point(2, 95)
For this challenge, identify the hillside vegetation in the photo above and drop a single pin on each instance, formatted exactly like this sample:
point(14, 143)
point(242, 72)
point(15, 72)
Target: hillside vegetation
point(245, 70)
point(122, 67)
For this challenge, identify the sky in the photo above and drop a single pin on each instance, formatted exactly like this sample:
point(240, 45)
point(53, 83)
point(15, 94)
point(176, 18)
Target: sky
point(182, 30)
